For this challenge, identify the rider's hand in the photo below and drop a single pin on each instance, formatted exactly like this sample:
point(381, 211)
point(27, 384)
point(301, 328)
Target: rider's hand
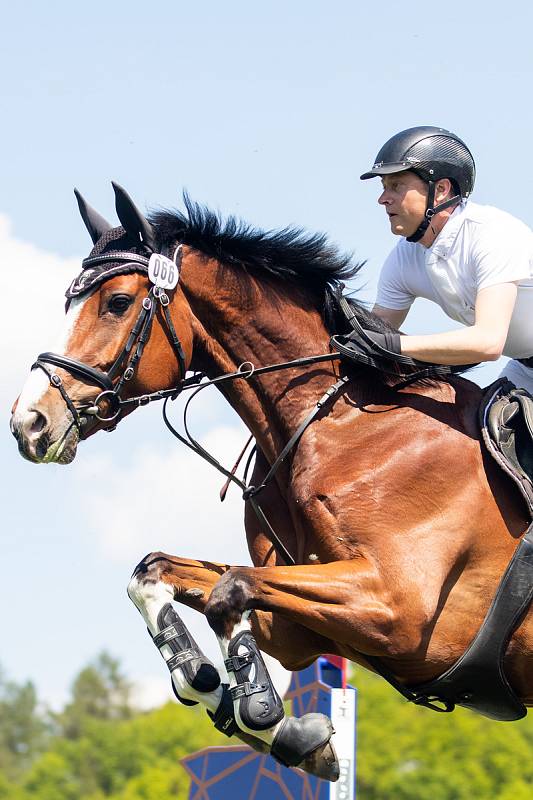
point(389, 341)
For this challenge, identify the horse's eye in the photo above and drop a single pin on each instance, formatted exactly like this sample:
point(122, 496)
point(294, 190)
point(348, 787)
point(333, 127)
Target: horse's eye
point(119, 303)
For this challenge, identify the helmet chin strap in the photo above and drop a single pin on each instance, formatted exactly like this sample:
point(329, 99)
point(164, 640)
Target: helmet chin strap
point(430, 212)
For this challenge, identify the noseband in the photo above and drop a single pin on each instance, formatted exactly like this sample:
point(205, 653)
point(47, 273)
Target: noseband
point(108, 404)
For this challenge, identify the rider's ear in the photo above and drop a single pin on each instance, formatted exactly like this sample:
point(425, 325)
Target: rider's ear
point(95, 224)
point(132, 219)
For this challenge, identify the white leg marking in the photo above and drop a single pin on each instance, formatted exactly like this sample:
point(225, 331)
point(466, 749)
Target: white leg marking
point(244, 625)
point(150, 598)
point(37, 382)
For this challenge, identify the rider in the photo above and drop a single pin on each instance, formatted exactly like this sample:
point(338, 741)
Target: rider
point(474, 261)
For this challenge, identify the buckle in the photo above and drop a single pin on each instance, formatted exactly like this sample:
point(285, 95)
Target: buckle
point(235, 663)
point(431, 701)
point(181, 658)
point(166, 635)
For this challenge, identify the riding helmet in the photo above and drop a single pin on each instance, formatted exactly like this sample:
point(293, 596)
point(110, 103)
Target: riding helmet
point(433, 153)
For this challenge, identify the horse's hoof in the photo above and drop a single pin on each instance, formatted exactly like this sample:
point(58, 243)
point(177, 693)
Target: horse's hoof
point(305, 742)
point(323, 763)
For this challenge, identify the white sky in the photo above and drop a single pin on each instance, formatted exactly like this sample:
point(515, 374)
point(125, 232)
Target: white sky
point(270, 111)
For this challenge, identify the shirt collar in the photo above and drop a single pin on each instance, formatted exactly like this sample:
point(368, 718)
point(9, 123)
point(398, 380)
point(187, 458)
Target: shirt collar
point(442, 244)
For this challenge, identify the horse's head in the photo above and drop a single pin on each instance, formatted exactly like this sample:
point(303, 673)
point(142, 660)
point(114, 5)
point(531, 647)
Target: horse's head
point(127, 332)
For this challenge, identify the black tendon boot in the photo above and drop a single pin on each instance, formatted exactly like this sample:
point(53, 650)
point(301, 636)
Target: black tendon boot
point(302, 742)
point(197, 670)
point(260, 706)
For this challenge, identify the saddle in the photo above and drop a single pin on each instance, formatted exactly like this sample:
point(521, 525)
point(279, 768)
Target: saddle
point(506, 421)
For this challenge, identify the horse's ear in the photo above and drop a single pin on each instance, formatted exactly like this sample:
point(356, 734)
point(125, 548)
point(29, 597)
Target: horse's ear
point(132, 219)
point(95, 224)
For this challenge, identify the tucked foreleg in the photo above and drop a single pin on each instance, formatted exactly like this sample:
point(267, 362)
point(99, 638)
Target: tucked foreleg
point(250, 707)
point(344, 602)
point(152, 590)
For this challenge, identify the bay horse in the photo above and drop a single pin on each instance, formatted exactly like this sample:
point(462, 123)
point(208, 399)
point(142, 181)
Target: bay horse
point(391, 526)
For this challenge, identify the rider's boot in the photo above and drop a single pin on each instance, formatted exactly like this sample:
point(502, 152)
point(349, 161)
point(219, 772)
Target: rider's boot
point(303, 742)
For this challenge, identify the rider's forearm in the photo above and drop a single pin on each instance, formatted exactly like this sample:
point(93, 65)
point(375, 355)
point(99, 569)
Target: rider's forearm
point(464, 346)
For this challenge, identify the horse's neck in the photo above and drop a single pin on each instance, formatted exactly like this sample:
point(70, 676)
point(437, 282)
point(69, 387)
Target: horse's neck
point(239, 319)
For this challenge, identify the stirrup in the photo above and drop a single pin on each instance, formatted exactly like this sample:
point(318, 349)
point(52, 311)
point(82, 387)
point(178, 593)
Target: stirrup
point(197, 670)
point(260, 706)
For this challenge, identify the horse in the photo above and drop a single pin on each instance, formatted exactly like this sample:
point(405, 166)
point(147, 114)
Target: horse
point(384, 529)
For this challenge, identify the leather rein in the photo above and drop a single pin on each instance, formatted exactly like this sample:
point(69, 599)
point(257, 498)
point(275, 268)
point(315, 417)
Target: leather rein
point(108, 406)
point(124, 368)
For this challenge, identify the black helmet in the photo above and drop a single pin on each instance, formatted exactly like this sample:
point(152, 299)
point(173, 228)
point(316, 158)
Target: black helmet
point(432, 153)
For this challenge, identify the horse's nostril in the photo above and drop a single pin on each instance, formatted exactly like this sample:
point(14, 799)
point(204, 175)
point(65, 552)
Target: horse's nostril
point(37, 424)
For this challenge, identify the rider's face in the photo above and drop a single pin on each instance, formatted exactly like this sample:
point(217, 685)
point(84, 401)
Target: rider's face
point(404, 196)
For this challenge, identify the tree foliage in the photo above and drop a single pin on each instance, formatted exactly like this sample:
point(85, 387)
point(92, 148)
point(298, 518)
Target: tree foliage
point(101, 748)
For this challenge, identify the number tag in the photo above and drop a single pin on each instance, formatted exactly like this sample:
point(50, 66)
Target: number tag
point(162, 271)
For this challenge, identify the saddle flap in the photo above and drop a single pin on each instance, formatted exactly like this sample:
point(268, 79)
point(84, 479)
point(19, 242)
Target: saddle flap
point(506, 417)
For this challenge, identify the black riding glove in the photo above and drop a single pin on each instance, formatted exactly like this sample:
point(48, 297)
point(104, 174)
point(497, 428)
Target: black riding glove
point(389, 341)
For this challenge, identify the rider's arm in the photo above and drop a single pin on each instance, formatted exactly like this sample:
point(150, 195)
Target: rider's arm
point(394, 295)
point(483, 341)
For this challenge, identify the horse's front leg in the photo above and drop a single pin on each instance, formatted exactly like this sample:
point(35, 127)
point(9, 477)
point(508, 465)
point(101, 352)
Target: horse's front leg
point(152, 588)
point(346, 602)
point(258, 709)
point(251, 708)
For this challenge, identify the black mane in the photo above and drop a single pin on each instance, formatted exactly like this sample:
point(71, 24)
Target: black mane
point(292, 255)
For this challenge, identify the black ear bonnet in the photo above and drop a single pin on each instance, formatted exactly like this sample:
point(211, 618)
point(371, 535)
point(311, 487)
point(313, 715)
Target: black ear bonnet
point(117, 251)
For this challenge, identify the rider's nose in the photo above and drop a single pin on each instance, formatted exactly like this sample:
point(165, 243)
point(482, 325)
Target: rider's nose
point(383, 199)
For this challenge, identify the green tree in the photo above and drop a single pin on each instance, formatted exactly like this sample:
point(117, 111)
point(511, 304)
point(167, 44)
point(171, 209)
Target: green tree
point(411, 753)
point(100, 691)
point(23, 727)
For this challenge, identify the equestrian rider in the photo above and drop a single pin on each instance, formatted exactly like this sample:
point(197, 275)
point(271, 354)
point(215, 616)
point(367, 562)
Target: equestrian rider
point(474, 261)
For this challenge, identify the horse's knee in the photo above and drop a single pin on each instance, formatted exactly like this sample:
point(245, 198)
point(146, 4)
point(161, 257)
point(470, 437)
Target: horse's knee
point(146, 581)
point(229, 599)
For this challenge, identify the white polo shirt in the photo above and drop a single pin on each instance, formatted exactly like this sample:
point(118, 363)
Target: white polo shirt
point(479, 246)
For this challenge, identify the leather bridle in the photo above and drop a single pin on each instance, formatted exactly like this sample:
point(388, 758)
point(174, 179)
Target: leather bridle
point(131, 353)
point(107, 406)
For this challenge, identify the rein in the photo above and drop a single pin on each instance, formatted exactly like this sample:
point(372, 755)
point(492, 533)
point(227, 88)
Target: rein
point(124, 367)
point(95, 272)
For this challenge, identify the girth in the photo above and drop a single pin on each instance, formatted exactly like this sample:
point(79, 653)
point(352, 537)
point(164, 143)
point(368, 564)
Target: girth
point(477, 680)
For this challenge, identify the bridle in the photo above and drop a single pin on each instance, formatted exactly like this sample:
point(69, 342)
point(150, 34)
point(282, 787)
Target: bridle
point(124, 367)
point(107, 406)
point(96, 270)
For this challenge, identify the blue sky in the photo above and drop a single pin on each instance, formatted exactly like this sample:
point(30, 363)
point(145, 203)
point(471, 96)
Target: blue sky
point(270, 111)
